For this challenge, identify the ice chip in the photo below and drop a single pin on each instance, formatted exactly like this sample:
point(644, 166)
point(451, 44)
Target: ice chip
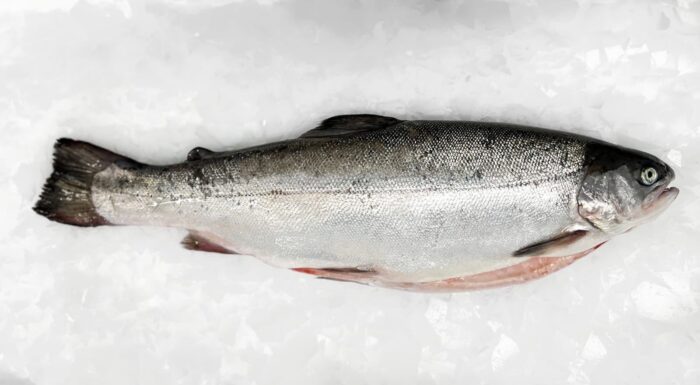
point(505, 349)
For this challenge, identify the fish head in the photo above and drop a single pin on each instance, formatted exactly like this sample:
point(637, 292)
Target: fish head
point(622, 188)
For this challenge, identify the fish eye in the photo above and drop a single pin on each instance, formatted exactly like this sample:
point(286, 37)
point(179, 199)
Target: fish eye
point(649, 176)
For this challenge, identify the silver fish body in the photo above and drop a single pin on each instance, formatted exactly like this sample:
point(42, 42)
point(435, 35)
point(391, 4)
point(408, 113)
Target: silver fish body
point(411, 201)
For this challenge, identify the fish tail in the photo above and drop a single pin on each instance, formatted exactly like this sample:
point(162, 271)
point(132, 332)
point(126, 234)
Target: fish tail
point(67, 193)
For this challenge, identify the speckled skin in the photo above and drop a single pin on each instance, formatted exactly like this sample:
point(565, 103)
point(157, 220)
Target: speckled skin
point(417, 201)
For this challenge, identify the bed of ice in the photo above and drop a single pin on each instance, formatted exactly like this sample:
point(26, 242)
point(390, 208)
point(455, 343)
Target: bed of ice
point(127, 305)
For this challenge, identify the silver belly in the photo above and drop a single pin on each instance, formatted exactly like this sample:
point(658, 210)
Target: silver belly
point(407, 235)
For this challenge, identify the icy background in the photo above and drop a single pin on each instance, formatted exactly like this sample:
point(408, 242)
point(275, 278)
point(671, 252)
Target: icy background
point(152, 79)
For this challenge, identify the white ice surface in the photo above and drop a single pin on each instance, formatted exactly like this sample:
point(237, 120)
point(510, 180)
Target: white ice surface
point(126, 305)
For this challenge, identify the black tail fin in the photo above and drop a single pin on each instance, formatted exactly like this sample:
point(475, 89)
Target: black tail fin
point(66, 197)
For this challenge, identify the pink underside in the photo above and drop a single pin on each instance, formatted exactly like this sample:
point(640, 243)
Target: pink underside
point(532, 268)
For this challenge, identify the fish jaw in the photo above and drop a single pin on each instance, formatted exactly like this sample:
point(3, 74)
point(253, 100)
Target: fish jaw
point(660, 201)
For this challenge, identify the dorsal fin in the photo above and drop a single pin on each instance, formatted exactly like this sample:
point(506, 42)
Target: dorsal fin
point(350, 124)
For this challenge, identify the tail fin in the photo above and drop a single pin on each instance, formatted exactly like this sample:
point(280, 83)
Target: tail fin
point(66, 197)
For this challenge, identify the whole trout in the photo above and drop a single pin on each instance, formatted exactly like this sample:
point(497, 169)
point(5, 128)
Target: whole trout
point(420, 205)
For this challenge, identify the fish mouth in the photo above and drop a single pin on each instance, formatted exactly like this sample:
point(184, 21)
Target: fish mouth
point(660, 199)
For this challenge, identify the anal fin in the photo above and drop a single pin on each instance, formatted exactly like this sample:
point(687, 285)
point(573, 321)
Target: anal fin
point(195, 241)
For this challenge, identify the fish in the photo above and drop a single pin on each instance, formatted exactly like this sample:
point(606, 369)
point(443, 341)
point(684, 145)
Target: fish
point(421, 205)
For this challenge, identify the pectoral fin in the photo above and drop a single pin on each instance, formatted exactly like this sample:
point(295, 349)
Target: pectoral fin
point(550, 246)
